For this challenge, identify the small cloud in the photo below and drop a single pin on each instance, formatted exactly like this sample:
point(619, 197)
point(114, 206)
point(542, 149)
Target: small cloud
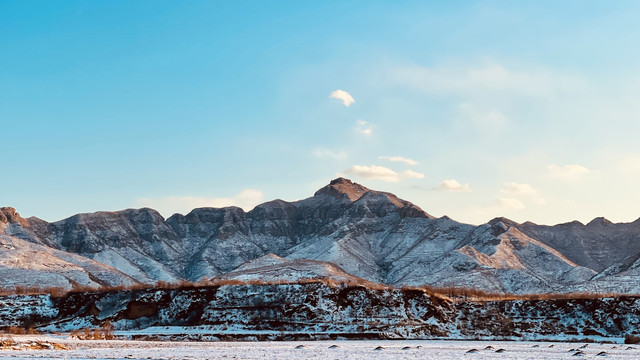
point(515, 188)
point(454, 185)
point(510, 203)
point(247, 199)
point(567, 171)
point(364, 127)
point(374, 172)
point(343, 96)
point(382, 173)
point(322, 153)
point(412, 174)
point(399, 159)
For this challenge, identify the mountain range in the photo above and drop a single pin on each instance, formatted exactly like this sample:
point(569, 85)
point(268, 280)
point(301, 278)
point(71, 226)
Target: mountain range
point(345, 231)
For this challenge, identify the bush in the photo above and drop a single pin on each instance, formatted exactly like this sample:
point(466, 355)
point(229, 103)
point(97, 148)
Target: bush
point(6, 341)
point(105, 332)
point(631, 339)
point(16, 330)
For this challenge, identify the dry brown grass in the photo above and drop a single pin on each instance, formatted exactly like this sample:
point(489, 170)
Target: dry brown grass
point(104, 332)
point(33, 290)
point(473, 294)
point(449, 292)
point(6, 341)
point(9, 343)
point(16, 330)
point(631, 339)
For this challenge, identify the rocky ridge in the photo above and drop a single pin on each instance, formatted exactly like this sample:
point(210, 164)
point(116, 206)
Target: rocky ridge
point(364, 233)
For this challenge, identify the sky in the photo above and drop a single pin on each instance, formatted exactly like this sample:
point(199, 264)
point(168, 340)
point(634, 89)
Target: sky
point(470, 109)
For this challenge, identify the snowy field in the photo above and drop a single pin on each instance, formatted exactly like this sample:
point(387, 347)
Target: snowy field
point(396, 350)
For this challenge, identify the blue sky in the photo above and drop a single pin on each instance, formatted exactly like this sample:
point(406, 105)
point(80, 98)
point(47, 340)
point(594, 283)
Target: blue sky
point(473, 109)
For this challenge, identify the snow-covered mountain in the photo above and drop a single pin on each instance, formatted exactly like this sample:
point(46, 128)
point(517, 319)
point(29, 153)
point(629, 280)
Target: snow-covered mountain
point(344, 228)
point(26, 263)
point(598, 244)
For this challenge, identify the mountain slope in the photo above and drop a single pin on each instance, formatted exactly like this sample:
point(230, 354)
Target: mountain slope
point(34, 265)
point(368, 234)
point(598, 245)
point(273, 269)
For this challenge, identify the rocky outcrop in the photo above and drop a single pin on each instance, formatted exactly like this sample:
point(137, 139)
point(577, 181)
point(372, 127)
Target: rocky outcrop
point(298, 309)
point(9, 215)
point(316, 310)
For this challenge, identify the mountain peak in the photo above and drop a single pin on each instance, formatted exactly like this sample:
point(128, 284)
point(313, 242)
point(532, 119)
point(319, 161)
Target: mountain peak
point(599, 221)
point(342, 187)
point(9, 215)
point(503, 220)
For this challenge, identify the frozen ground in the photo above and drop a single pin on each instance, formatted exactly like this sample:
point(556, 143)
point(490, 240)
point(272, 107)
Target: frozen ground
point(396, 350)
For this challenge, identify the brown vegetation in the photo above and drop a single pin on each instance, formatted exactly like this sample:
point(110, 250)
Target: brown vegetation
point(473, 294)
point(33, 290)
point(450, 292)
point(9, 343)
point(105, 332)
point(6, 342)
point(631, 339)
point(15, 330)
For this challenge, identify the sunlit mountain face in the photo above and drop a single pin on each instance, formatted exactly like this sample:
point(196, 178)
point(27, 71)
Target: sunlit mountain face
point(344, 230)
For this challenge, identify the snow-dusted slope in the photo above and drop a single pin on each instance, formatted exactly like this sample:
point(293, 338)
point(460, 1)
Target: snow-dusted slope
point(138, 242)
point(620, 278)
point(611, 249)
point(273, 269)
point(598, 245)
point(498, 258)
point(369, 234)
point(33, 265)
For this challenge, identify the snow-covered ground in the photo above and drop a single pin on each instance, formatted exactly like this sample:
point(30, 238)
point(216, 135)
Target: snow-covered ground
point(396, 350)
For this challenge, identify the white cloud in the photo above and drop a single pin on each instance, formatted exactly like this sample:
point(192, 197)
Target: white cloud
point(374, 172)
point(343, 96)
point(412, 174)
point(454, 185)
point(322, 153)
point(382, 173)
point(567, 171)
point(489, 77)
point(510, 203)
point(399, 159)
point(515, 188)
point(364, 127)
point(247, 199)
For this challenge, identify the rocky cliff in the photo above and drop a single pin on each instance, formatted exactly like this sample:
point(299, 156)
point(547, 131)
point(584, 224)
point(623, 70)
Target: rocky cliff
point(320, 310)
